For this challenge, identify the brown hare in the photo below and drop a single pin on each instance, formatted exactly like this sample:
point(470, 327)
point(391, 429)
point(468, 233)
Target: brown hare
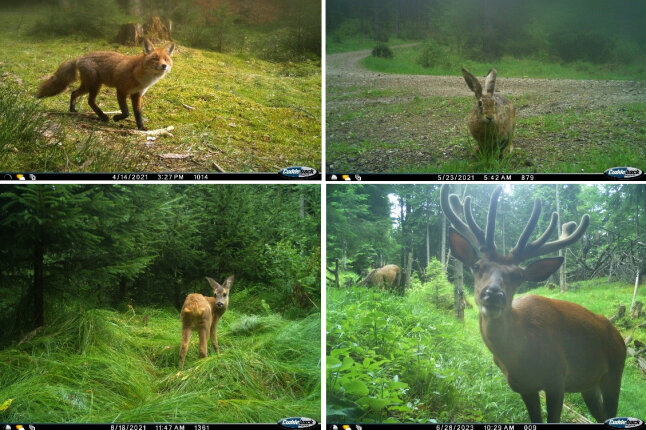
point(491, 122)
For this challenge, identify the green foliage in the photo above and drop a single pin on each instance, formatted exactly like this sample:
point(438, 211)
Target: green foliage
point(21, 122)
point(105, 366)
point(382, 51)
point(93, 18)
point(112, 245)
point(393, 359)
point(573, 46)
point(431, 55)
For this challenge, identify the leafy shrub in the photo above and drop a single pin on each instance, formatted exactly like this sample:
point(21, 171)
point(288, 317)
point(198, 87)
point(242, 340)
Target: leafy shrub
point(431, 55)
point(382, 51)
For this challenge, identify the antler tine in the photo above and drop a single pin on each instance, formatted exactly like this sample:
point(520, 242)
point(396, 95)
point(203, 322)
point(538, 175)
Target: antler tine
point(450, 209)
point(546, 234)
point(527, 231)
point(491, 221)
point(475, 228)
point(570, 234)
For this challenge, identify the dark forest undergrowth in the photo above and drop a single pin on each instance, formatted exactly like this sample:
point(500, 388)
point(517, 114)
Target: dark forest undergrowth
point(110, 366)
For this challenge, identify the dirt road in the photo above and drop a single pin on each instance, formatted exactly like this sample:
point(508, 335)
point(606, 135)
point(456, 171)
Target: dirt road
point(404, 114)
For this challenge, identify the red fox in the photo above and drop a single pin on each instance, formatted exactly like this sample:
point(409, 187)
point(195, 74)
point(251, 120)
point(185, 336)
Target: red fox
point(131, 75)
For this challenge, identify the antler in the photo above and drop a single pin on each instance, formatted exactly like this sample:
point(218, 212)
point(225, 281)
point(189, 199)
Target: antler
point(570, 233)
point(471, 230)
point(451, 204)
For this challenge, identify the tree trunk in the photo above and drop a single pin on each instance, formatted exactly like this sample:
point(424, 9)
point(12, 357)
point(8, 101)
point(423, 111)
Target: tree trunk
point(39, 301)
point(562, 280)
point(444, 255)
point(428, 245)
point(458, 290)
point(409, 269)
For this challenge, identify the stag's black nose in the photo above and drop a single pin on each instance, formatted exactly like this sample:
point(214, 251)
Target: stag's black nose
point(493, 296)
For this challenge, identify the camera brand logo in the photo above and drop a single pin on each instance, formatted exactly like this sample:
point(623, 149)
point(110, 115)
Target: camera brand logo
point(297, 423)
point(624, 423)
point(298, 172)
point(623, 172)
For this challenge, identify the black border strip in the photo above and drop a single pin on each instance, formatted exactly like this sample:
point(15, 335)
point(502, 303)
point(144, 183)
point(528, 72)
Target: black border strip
point(153, 176)
point(467, 177)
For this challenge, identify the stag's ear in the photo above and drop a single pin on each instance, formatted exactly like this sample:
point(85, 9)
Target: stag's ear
point(212, 283)
point(228, 282)
point(462, 249)
point(540, 270)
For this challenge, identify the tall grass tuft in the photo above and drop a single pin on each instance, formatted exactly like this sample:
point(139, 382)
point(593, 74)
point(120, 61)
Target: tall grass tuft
point(107, 366)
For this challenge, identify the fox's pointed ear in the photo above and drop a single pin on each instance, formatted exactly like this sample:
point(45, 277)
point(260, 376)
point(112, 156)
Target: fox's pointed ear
point(148, 46)
point(170, 48)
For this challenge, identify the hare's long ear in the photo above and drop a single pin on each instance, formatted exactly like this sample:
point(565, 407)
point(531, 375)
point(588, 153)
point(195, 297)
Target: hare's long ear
point(490, 81)
point(472, 82)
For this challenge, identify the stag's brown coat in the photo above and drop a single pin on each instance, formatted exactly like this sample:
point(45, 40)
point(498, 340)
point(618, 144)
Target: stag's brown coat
point(538, 343)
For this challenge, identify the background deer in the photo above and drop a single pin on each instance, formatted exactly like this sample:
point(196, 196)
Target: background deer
point(202, 313)
point(538, 343)
point(387, 276)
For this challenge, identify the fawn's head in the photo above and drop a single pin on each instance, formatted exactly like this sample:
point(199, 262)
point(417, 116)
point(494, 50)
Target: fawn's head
point(221, 292)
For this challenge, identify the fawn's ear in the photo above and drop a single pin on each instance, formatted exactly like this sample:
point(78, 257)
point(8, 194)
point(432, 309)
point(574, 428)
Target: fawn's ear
point(472, 82)
point(212, 283)
point(228, 282)
point(148, 46)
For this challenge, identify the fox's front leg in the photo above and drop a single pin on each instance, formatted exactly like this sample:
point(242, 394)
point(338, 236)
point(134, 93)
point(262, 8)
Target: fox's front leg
point(123, 105)
point(136, 107)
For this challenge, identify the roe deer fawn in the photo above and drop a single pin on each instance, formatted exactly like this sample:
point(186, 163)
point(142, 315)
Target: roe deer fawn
point(202, 313)
point(538, 343)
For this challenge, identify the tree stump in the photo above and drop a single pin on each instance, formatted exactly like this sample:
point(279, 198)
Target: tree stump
point(157, 30)
point(636, 310)
point(131, 34)
point(621, 311)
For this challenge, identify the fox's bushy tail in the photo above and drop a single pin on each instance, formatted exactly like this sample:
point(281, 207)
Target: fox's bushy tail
point(56, 84)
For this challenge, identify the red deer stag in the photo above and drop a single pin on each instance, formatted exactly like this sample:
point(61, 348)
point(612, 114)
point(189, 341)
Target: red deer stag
point(202, 313)
point(387, 276)
point(538, 343)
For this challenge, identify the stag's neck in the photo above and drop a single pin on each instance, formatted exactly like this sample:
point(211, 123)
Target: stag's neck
point(498, 335)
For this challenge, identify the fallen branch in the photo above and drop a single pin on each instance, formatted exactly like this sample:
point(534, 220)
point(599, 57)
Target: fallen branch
point(218, 168)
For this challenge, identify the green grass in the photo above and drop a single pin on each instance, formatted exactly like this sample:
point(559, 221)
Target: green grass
point(433, 368)
point(250, 115)
point(572, 141)
point(405, 62)
point(106, 366)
